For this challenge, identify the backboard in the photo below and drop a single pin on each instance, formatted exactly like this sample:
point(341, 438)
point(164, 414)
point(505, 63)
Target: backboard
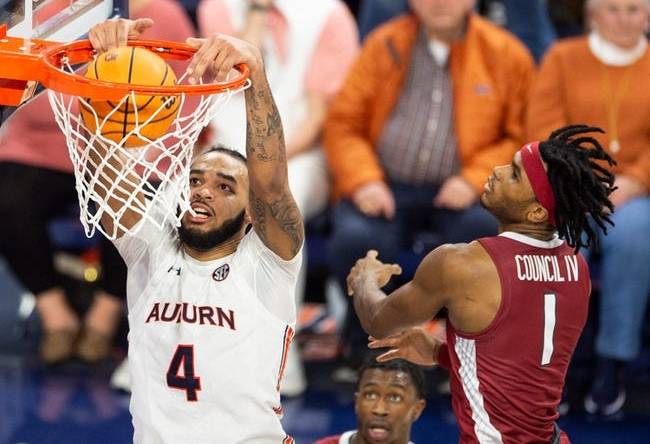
point(53, 20)
point(57, 20)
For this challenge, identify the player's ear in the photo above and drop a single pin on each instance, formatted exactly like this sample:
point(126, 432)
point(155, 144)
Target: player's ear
point(247, 215)
point(417, 409)
point(537, 214)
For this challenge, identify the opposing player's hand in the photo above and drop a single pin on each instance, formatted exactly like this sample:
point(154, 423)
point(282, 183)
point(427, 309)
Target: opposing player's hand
point(114, 33)
point(217, 55)
point(375, 199)
point(455, 194)
point(415, 345)
point(369, 267)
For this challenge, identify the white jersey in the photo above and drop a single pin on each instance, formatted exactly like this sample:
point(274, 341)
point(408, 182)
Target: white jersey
point(207, 341)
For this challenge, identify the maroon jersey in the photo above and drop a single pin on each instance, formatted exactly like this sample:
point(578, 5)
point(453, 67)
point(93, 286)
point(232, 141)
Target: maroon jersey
point(330, 440)
point(507, 381)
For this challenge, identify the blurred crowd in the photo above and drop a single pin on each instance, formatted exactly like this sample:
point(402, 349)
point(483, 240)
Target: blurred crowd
point(395, 113)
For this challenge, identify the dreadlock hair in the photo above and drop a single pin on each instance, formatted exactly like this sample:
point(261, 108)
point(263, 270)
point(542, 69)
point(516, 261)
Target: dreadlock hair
point(581, 185)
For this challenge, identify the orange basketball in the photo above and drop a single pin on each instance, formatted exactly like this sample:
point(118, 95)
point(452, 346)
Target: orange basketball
point(136, 66)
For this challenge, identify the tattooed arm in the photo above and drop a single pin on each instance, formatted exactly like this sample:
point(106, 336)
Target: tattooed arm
point(275, 215)
point(276, 218)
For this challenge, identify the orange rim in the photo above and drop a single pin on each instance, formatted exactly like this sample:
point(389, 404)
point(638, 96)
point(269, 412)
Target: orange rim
point(81, 51)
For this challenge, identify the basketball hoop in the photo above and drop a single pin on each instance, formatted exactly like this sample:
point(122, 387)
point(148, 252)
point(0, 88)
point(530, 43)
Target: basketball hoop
point(159, 169)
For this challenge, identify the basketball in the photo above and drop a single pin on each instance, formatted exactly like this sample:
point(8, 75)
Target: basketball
point(136, 66)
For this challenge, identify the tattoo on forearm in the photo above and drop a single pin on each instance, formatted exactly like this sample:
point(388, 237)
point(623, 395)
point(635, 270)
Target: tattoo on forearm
point(259, 215)
point(286, 214)
point(264, 133)
point(273, 123)
point(275, 214)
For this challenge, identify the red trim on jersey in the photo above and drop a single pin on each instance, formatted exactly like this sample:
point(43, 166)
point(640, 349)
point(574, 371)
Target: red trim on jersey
point(531, 159)
point(443, 356)
point(278, 410)
point(288, 337)
point(288, 440)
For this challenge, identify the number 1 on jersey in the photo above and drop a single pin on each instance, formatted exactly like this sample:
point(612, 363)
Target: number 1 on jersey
point(549, 327)
point(188, 381)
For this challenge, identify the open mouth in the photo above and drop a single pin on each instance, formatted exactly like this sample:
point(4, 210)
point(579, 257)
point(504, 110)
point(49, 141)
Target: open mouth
point(378, 431)
point(201, 213)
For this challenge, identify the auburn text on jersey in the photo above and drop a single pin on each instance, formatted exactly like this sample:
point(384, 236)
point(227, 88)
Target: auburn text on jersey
point(192, 314)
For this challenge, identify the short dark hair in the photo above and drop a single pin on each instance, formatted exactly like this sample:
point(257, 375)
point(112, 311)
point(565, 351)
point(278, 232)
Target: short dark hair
point(581, 185)
point(225, 150)
point(401, 365)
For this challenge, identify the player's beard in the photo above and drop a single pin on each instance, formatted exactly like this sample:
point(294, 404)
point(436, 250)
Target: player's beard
point(499, 211)
point(206, 240)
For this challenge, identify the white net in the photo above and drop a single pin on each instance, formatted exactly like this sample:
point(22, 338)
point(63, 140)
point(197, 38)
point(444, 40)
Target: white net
point(112, 179)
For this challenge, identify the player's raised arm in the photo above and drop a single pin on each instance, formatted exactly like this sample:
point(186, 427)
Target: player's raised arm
point(440, 281)
point(275, 215)
point(104, 36)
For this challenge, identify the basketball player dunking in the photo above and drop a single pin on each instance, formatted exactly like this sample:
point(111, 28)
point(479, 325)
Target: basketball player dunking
point(211, 309)
point(516, 303)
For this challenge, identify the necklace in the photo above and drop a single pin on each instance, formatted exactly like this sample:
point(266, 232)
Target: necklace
point(613, 101)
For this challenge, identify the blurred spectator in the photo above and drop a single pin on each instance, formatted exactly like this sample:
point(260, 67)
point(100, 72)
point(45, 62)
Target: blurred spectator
point(37, 185)
point(191, 7)
point(567, 17)
point(354, 6)
point(530, 21)
point(435, 100)
point(307, 50)
point(389, 399)
point(599, 80)
point(373, 13)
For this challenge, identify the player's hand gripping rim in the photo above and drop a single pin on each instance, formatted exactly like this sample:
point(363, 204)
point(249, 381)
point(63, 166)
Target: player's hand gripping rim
point(114, 33)
point(218, 54)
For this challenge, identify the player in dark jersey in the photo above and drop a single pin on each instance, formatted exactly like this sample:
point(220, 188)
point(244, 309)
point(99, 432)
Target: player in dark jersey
point(516, 303)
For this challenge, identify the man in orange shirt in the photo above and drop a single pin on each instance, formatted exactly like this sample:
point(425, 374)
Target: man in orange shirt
point(600, 79)
point(434, 102)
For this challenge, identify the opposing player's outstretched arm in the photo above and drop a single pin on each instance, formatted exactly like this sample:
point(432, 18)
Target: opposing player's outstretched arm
point(434, 284)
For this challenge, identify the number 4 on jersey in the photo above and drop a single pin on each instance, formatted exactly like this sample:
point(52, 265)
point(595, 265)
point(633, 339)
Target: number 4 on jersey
point(191, 384)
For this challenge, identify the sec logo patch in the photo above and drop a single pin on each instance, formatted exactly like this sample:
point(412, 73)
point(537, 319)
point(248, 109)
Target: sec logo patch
point(221, 273)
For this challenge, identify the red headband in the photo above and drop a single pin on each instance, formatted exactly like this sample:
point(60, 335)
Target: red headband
point(531, 159)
